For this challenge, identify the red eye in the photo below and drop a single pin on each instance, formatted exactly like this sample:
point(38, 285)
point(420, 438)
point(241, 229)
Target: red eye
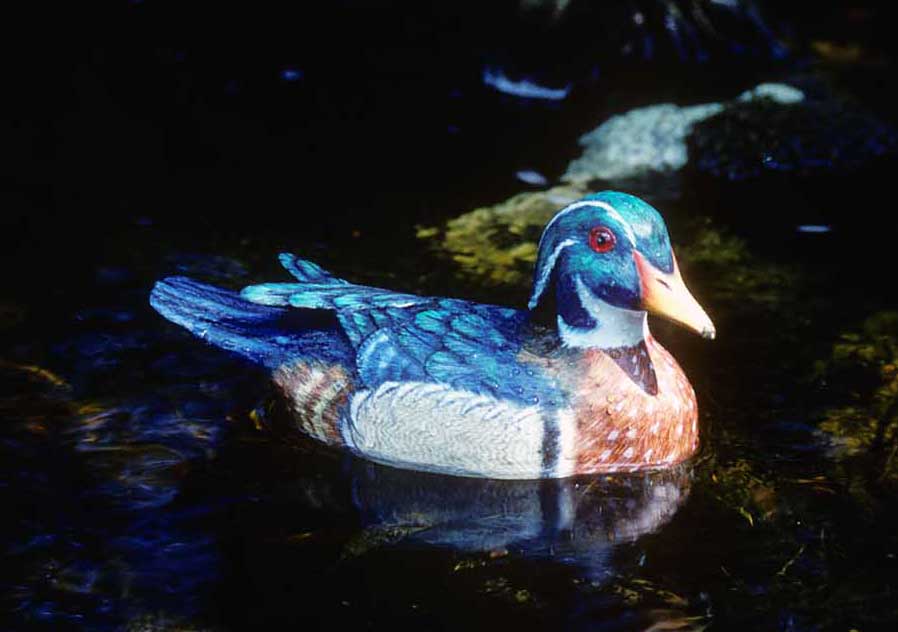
point(601, 239)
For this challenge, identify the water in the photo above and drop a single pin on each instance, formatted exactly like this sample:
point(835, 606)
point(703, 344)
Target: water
point(151, 481)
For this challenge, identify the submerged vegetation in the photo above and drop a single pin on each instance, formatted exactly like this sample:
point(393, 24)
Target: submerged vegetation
point(862, 375)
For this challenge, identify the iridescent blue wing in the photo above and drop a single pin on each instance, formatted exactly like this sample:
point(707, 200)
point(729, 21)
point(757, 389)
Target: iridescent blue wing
point(404, 337)
point(268, 335)
point(416, 342)
point(308, 272)
point(361, 310)
point(479, 351)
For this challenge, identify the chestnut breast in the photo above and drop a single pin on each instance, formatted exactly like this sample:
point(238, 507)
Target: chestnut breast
point(633, 408)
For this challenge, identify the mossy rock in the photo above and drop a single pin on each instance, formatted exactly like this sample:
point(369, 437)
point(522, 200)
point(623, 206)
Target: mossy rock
point(497, 245)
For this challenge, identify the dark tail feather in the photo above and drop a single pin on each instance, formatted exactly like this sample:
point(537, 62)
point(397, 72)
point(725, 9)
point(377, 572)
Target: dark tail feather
point(225, 320)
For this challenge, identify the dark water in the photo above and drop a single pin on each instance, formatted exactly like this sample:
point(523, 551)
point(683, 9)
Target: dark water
point(151, 482)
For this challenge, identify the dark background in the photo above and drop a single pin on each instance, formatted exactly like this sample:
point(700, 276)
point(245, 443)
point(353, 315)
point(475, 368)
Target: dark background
point(180, 115)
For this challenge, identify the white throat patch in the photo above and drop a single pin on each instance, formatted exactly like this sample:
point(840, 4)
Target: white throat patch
point(616, 327)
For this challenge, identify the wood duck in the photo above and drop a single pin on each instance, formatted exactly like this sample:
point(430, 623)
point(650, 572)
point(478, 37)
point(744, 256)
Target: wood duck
point(463, 388)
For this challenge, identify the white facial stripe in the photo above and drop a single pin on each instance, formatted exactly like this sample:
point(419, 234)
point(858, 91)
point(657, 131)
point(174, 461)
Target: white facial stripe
point(627, 228)
point(543, 279)
point(616, 327)
point(604, 205)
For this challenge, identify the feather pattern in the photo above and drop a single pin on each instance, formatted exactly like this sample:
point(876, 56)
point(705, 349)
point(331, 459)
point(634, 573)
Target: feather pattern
point(267, 335)
point(308, 272)
point(398, 336)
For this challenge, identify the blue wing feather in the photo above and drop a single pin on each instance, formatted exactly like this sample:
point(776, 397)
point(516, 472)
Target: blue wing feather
point(264, 334)
point(447, 368)
point(308, 272)
point(420, 344)
point(271, 294)
point(475, 347)
point(432, 321)
point(380, 359)
point(403, 337)
point(358, 325)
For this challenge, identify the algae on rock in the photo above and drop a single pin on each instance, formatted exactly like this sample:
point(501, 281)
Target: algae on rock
point(497, 244)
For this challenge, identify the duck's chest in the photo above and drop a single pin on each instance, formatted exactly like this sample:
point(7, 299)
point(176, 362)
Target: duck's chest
point(630, 409)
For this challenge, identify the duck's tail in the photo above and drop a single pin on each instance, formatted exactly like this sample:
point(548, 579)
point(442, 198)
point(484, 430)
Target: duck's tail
point(260, 333)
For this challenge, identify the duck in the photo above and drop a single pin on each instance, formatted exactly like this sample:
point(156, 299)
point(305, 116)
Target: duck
point(572, 384)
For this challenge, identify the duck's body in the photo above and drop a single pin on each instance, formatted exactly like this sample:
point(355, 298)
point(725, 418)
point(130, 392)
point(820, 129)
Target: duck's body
point(457, 387)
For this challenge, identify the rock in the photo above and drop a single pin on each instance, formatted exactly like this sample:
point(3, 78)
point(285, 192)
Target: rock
point(747, 139)
point(642, 140)
point(653, 139)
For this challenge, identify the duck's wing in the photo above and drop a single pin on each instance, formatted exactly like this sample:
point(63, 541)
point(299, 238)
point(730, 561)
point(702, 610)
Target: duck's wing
point(307, 271)
point(264, 334)
point(469, 346)
point(475, 348)
point(319, 289)
point(405, 338)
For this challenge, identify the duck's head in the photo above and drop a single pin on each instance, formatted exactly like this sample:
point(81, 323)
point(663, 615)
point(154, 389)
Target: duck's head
point(609, 259)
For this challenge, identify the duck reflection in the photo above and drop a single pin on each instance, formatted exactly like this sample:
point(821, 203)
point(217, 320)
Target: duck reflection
point(575, 520)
